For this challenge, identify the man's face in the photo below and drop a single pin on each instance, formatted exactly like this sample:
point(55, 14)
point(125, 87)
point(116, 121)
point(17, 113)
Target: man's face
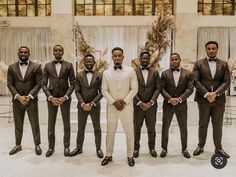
point(117, 57)
point(23, 54)
point(58, 51)
point(145, 60)
point(89, 62)
point(211, 50)
point(175, 61)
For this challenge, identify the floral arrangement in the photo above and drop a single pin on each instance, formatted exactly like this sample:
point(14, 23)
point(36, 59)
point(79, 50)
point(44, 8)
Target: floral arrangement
point(158, 40)
point(83, 48)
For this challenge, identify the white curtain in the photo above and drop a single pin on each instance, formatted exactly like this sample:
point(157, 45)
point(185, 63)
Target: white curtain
point(232, 39)
point(219, 34)
point(37, 39)
point(129, 38)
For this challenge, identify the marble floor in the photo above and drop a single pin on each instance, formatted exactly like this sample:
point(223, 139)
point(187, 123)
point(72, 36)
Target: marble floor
point(27, 164)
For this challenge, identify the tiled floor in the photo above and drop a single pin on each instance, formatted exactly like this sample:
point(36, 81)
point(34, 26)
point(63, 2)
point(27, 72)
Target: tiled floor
point(27, 164)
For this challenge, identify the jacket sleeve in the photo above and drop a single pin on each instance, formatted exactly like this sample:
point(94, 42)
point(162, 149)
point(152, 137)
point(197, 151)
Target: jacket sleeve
point(158, 88)
point(38, 78)
point(71, 80)
point(44, 82)
point(133, 88)
point(99, 95)
point(164, 93)
point(189, 88)
point(10, 82)
point(105, 89)
point(78, 90)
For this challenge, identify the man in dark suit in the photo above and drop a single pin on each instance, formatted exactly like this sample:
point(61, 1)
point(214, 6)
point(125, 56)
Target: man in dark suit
point(177, 85)
point(60, 75)
point(212, 79)
point(88, 92)
point(145, 103)
point(23, 81)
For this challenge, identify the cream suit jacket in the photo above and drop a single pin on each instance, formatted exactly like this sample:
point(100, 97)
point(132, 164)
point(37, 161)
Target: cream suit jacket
point(119, 84)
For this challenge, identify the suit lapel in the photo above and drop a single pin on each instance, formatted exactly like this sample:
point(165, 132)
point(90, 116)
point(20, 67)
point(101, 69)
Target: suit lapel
point(171, 76)
point(218, 67)
point(181, 77)
point(208, 70)
point(53, 66)
point(28, 70)
point(63, 66)
point(94, 77)
point(150, 74)
point(84, 78)
point(140, 76)
point(18, 72)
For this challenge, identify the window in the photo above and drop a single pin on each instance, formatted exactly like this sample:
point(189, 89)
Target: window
point(25, 8)
point(216, 7)
point(122, 7)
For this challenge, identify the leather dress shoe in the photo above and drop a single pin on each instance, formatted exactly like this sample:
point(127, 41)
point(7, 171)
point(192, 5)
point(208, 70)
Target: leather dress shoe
point(153, 152)
point(99, 153)
point(222, 152)
point(16, 149)
point(198, 151)
point(136, 153)
point(49, 152)
point(131, 161)
point(75, 152)
point(106, 160)
point(186, 153)
point(66, 151)
point(163, 153)
point(38, 150)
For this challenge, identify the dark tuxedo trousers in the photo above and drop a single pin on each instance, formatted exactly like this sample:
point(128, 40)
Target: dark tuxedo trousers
point(30, 84)
point(88, 93)
point(205, 83)
point(183, 90)
point(146, 92)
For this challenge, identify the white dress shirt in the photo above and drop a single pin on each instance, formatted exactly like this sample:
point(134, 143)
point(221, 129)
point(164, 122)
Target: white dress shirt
point(58, 68)
point(212, 65)
point(176, 76)
point(23, 69)
point(145, 75)
point(89, 77)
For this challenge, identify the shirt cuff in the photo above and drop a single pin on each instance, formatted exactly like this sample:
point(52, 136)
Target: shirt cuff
point(31, 96)
point(49, 98)
point(152, 102)
point(67, 98)
point(16, 96)
point(139, 103)
point(206, 94)
point(93, 103)
point(82, 105)
point(180, 100)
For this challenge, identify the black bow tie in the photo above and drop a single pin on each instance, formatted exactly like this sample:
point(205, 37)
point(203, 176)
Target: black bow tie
point(117, 67)
point(23, 63)
point(89, 71)
point(212, 59)
point(58, 61)
point(175, 69)
point(145, 68)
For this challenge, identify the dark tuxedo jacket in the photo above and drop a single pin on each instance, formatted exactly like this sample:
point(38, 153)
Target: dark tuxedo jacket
point(61, 85)
point(30, 84)
point(183, 90)
point(88, 93)
point(205, 83)
point(150, 90)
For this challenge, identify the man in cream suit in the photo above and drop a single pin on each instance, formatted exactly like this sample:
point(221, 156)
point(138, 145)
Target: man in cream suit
point(61, 78)
point(145, 103)
point(23, 81)
point(177, 85)
point(119, 86)
point(212, 79)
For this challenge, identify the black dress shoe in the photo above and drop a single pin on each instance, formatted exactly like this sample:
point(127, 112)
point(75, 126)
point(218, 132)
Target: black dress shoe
point(153, 152)
point(16, 149)
point(75, 152)
point(131, 161)
point(66, 151)
point(163, 153)
point(222, 152)
point(186, 153)
point(198, 151)
point(49, 152)
point(38, 150)
point(99, 153)
point(106, 160)
point(136, 153)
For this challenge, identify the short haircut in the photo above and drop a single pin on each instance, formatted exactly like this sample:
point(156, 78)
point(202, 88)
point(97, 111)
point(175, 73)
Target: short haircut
point(117, 48)
point(89, 55)
point(211, 42)
point(24, 47)
point(58, 45)
point(175, 54)
point(144, 52)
